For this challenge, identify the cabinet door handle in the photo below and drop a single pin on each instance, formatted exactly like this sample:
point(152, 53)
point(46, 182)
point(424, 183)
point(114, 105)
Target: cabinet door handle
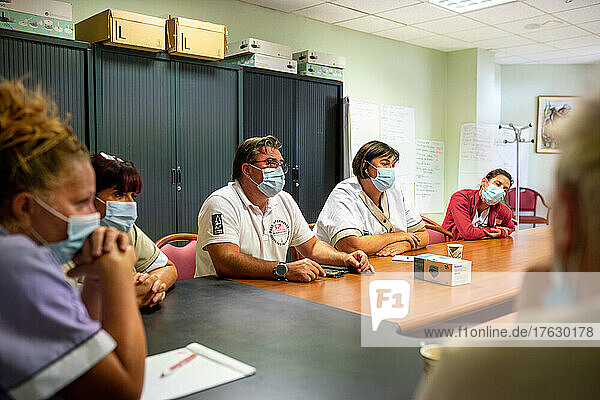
point(295, 176)
point(179, 175)
point(173, 176)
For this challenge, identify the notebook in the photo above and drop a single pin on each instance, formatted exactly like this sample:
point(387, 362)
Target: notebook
point(208, 369)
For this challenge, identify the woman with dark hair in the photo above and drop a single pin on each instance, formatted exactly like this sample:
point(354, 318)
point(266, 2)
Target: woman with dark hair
point(480, 214)
point(368, 212)
point(118, 182)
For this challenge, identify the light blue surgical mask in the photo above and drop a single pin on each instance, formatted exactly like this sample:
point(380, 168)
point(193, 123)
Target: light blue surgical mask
point(492, 194)
point(384, 179)
point(119, 214)
point(273, 181)
point(78, 229)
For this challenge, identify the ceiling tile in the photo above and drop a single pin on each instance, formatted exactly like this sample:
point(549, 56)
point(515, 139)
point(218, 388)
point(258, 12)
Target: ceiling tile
point(375, 6)
point(591, 26)
point(545, 21)
point(549, 55)
point(404, 34)
point(528, 50)
point(511, 60)
point(418, 13)
point(329, 13)
point(285, 5)
point(551, 35)
point(581, 15)
point(369, 24)
point(450, 24)
point(574, 60)
point(509, 41)
point(591, 40)
point(504, 13)
point(559, 5)
point(483, 33)
point(440, 43)
point(586, 51)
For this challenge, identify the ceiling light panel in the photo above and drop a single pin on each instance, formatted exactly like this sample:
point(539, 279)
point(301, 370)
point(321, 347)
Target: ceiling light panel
point(461, 6)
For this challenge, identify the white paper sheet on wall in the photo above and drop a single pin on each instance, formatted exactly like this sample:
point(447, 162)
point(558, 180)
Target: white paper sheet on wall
point(477, 153)
point(506, 154)
point(364, 124)
point(429, 183)
point(398, 131)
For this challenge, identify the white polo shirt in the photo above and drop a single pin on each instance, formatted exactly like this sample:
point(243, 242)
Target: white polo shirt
point(348, 211)
point(227, 216)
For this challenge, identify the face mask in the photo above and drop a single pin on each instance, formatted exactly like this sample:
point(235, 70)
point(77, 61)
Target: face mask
point(273, 181)
point(384, 179)
point(78, 229)
point(119, 214)
point(492, 194)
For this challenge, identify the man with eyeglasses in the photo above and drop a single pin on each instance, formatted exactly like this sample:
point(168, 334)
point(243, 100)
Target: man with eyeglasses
point(246, 227)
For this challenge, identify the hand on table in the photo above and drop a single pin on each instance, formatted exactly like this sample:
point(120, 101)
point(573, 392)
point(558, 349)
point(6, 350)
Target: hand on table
point(493, 233)
point(149, 289)
point(393, 249)
point(411, 238)
point(359, 260)
point(304, 270)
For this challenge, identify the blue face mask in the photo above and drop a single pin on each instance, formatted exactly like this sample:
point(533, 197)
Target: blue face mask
point(119, 214)
point(78, 229)
point(492, 194)
point(273, 181)
point(384, 179)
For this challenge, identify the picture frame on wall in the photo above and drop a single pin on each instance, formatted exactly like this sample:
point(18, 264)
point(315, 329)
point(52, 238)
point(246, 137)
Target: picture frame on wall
point(551, 109)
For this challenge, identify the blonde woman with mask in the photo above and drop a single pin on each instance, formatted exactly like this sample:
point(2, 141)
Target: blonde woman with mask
point(54, 340)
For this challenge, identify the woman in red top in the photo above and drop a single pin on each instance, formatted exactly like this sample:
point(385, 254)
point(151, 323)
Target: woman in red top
point(480, 214)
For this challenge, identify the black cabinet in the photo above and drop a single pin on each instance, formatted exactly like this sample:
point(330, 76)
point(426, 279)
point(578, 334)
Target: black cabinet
point(135, 120)
point(306, 115)
point(180, 120)
point(207, 135)
point(60, 67)
point(177, 120)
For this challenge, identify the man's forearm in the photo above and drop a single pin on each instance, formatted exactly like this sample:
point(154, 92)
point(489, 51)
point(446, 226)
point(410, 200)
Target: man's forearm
point(167, 274)
point(238, 265)
point(370, 244)
point(323, 253)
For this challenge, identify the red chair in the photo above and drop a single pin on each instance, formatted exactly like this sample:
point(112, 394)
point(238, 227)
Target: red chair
point(528, 204)
point(184, 257)
point(437, 234)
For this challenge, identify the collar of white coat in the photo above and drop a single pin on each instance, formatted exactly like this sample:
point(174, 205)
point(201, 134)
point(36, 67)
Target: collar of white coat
point(271, 203)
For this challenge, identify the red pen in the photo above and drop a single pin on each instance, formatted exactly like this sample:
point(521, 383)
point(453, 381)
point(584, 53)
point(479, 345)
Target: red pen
point(181, 363)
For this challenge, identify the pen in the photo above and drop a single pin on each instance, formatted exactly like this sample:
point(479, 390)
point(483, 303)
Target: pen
point(181, 363)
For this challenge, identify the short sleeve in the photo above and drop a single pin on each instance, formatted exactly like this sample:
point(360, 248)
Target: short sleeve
point(218, 222)
point(301, 232)
point(145, 249)
point(414, 222)
point(48, 338)
point(339, 218)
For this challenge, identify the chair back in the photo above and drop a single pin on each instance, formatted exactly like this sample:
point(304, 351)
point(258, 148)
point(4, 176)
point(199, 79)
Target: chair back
point(527, 198)
point(437, 234)
point(183, 257)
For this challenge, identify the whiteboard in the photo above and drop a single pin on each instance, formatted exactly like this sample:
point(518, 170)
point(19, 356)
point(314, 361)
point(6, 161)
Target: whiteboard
point(394, 125)
point(429, 184)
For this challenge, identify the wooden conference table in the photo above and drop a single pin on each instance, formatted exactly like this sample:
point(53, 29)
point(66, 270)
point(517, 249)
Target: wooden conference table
point(488, 296)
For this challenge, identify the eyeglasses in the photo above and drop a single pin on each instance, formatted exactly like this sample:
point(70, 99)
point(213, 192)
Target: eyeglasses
point(273, 163)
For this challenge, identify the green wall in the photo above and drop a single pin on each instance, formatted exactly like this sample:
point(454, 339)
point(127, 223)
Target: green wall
point(521, 85)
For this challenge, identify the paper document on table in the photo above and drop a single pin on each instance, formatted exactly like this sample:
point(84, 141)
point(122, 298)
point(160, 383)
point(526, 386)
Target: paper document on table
point(208, 369)
point(403, 258)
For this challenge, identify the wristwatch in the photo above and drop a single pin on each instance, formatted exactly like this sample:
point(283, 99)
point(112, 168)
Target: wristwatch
point(280, 271)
